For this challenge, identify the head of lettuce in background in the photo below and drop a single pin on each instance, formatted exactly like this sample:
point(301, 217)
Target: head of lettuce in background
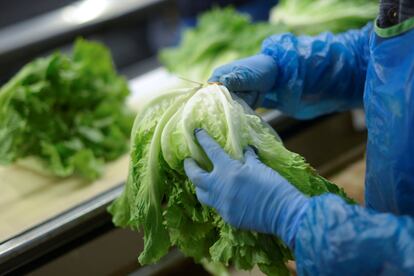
point(316, 16)
point(67, 111)
point(221, 35)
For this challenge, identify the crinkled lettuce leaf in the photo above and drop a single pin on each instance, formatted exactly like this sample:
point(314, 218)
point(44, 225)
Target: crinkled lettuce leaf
point(160, 199)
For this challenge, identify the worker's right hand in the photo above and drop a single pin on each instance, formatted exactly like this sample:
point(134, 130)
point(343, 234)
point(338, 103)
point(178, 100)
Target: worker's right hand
point(249, 78)
point(247, 193)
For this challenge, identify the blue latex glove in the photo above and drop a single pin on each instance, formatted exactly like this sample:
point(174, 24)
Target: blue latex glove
point(247, 194)
point(249, 78)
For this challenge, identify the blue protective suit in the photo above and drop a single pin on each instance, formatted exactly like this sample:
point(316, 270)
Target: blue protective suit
point(330, 73)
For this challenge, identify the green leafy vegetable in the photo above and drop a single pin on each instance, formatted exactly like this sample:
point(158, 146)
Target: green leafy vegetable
point(221, 35)
point(315, 16)
point(68, 111)
point(160, 199)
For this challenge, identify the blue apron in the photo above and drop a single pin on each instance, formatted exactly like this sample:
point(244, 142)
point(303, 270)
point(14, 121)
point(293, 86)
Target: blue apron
point(389, 107)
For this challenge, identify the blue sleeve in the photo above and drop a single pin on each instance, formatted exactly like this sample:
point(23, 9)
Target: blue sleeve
point(318, 75)
point(335, 238)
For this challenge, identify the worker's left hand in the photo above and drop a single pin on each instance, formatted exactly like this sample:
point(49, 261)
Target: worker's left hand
point(249, 78)
point(247, 194)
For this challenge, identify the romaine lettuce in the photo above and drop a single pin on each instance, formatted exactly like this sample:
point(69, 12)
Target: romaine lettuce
point(160, 199)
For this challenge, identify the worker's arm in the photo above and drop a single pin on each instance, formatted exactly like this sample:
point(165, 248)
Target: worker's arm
point(328, 236)
point(335, 238)
point(303, 76)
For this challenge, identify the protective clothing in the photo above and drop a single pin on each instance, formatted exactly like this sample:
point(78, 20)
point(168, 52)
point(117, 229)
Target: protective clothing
point(249, 194)
point(326, 73)
point(335, 238)
point(389, 107)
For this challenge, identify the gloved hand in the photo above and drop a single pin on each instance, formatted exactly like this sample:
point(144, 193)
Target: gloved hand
point(249, 78)
point(247, 194)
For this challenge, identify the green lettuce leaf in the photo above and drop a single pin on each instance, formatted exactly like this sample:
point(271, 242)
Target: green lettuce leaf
point(160, 199)
point(316, 16)
point(67, 111)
